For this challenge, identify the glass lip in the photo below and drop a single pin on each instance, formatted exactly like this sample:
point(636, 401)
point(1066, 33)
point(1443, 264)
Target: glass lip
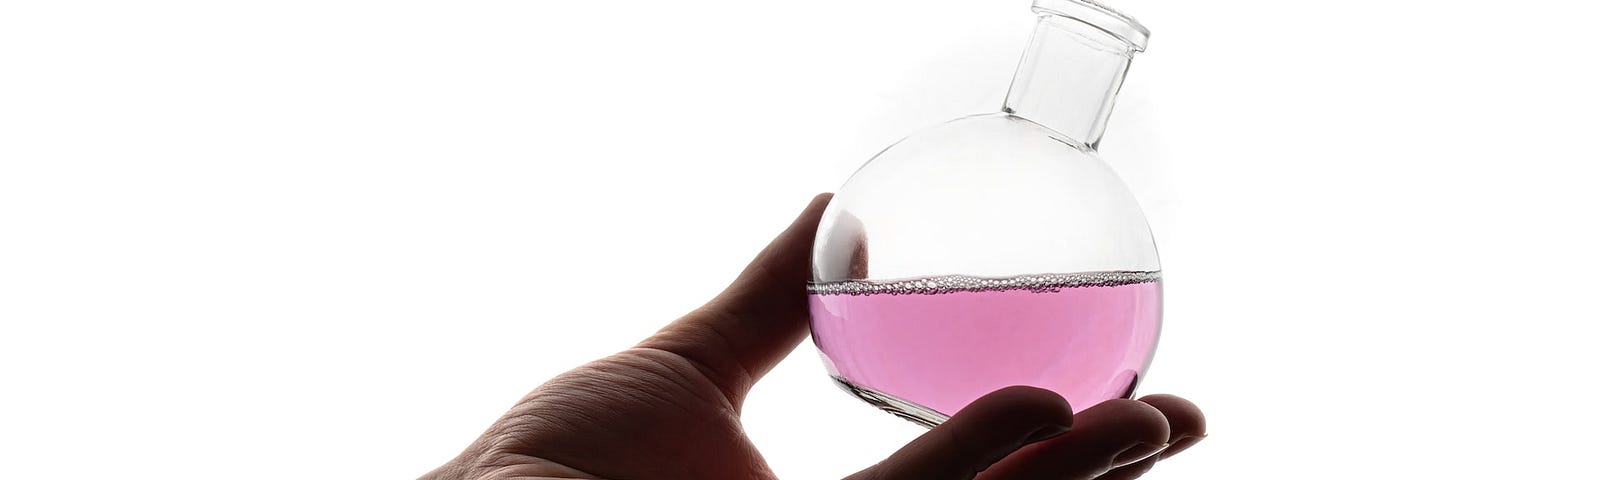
point(1116, 23)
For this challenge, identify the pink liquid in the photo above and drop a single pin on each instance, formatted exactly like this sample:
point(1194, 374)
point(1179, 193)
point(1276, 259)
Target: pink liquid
point(941, 343)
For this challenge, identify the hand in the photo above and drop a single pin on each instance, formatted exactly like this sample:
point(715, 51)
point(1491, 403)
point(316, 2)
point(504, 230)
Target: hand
point(669, 407)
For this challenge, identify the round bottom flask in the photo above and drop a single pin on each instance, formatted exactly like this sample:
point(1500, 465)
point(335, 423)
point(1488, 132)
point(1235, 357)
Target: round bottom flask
point(996, 250)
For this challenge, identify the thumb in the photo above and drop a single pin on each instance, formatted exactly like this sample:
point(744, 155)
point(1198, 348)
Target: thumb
point(757, 320)
point(979, 435)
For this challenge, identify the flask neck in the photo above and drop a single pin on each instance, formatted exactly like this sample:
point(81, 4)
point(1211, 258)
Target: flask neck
point(1069, 77)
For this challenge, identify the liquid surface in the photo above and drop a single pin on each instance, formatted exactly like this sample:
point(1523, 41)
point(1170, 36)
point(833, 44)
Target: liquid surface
point(940, 343)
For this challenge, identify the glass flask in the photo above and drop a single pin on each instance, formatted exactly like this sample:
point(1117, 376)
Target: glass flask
point(996, 250)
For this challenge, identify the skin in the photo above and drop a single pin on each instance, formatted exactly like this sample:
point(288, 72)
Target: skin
point(669, 407)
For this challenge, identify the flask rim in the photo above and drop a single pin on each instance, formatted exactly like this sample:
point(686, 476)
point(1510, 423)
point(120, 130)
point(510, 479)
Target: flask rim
point(1117, 24)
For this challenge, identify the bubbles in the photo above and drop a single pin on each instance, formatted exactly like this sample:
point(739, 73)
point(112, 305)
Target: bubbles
point(1039, 283)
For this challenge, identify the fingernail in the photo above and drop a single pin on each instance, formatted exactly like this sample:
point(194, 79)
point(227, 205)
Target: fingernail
point(1137, 452)
point(1045, 433)
point(1181, 445)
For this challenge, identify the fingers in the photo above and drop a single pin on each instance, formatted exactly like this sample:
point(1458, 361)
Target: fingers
point(1186, 421)
point(758, 319)
point(1116, 440)
point(1105, 436)
point(1186, 425)
point(980, 434)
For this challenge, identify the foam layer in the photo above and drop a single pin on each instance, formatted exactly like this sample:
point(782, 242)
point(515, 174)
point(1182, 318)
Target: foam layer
point(1046, 282)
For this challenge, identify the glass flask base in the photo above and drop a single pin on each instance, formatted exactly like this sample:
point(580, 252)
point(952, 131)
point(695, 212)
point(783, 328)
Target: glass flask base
point(911, 411)
point(902, 408)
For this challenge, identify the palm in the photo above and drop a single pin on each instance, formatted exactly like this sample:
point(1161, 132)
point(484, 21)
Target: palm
point(653, 414)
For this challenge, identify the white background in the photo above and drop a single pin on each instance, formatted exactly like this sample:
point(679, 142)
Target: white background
point(337, 239)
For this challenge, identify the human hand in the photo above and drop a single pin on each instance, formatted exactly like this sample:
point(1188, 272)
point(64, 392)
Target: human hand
point(669, 407)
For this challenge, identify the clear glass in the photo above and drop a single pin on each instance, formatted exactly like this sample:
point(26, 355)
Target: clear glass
point(996, 250)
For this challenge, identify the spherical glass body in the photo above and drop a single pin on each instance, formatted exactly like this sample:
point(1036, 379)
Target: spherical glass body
point(985, 252)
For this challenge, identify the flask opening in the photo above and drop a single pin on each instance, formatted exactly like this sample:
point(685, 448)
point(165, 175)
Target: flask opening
point(1114, 23)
